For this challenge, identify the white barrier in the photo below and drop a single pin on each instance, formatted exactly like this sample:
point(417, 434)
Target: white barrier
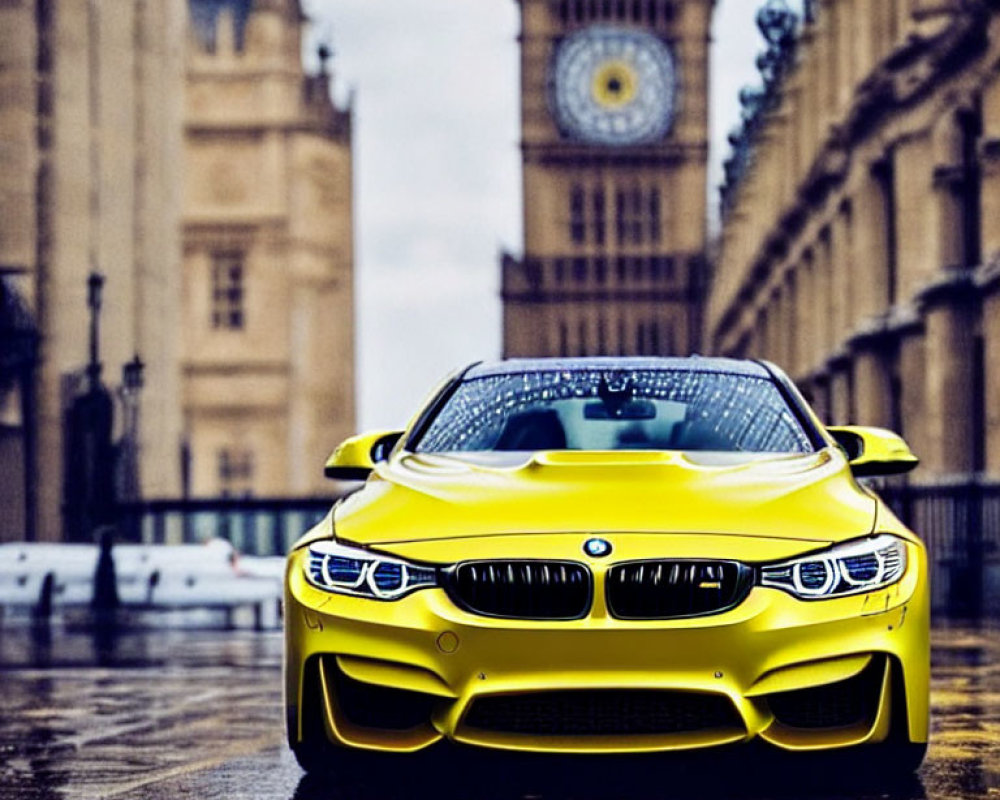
point(24, 567)
point(147, 577)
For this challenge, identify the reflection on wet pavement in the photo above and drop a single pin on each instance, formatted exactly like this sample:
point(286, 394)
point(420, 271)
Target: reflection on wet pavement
point(197, 714)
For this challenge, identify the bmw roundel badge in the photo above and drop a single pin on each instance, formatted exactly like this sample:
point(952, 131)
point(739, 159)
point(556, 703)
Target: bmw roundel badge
point(597, 548)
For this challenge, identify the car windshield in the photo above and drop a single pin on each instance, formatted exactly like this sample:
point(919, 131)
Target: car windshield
point(641, 409)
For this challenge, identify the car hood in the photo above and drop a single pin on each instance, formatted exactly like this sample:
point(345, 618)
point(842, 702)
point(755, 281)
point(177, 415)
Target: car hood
point(419, 497)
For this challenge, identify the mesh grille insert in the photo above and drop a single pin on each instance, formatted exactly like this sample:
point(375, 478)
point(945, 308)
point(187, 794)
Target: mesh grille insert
point(835, 705)
point(371, 706)
point(602, 713)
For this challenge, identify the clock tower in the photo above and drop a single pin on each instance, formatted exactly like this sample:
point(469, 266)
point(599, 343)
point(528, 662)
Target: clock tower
point(614, 126)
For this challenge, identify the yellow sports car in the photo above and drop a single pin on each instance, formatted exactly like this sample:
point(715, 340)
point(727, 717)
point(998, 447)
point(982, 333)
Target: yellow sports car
point(611, 555)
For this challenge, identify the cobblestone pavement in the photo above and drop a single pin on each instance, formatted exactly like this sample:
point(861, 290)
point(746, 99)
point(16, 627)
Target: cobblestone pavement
point(197, 714)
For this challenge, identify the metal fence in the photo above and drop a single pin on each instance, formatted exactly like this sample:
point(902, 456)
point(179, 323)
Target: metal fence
point(960, 523)
point(255, 526)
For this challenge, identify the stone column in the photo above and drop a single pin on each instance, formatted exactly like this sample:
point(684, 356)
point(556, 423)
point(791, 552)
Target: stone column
point(991, 382)
point(863, 14)
point(820, 386)
point(846, 49)
point(760, 335)
point(912, 367)
point(840, 290)
point(872, 386)
point(871, 274)
point(841, 389)
point(784, 329)
point(989, 153)
point(823, 301)
point(947, 205)
point(807, 333)
point(794, 331)
point(948, 379)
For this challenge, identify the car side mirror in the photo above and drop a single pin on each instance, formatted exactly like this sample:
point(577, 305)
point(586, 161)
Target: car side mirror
point(356, 457)
point(874, 451)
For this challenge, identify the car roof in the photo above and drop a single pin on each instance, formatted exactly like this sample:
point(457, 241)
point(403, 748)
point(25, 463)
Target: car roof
point(519, 366)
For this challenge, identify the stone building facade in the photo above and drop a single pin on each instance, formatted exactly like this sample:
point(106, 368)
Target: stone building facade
point(90, 138)
point(268, 346)
point(860, 247)
point(178, 148)
point(614, 125)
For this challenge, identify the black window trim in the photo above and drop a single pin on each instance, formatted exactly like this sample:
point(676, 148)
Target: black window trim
point(431, 410)
point(796, 403)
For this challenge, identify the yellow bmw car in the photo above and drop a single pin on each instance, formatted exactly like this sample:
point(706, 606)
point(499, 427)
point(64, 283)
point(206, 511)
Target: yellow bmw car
point(611, 555)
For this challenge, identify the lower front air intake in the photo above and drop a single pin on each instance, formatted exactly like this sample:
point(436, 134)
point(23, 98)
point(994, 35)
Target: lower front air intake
point(604, 712)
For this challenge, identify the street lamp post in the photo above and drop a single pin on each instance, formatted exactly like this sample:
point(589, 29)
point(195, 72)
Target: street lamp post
point(89, 490)
point(128, 454)
point(95, 286)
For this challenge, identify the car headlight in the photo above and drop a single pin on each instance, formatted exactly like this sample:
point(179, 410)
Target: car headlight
point(355, 571)
point(859, 566)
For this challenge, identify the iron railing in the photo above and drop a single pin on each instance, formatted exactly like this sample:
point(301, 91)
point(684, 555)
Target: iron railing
point(960, 524)
point(255, 526)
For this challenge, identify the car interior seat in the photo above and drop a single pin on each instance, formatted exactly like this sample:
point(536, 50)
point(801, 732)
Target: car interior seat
point(698, 435)
point(538, 429)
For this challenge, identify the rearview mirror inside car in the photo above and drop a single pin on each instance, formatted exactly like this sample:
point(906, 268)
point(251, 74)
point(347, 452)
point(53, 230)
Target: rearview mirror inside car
point(630, 409)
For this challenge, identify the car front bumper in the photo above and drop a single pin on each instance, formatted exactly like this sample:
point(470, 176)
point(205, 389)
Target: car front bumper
point(400, 676)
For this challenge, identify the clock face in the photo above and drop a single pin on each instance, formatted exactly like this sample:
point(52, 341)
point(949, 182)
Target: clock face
point(613, 86)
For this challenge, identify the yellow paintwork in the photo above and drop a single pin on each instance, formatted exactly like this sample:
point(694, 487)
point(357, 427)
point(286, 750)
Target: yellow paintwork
point(443, 509)
point(882, 451)
point(354, 455)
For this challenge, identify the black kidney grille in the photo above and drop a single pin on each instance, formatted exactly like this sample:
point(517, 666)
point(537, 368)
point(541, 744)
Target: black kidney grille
point(665, 589)
point(602, 712)
point(522, 589)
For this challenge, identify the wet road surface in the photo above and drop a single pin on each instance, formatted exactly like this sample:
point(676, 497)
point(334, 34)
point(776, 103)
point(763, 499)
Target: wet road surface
point(197, 714)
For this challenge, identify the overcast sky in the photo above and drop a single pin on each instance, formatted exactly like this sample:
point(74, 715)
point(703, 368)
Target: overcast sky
point(438, 176)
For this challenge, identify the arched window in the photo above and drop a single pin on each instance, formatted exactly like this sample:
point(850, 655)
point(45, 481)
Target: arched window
point(601, 269)
point(228, 290)
point(636, 215)
point(577, 231)
point(655, 228)
point(600, 216)
point(620, 212)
